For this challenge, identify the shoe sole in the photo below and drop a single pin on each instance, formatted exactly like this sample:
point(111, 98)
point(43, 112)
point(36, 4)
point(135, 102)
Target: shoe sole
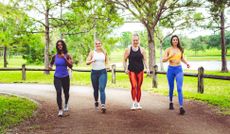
point(182, 113)
point(103, 111)
point(60, 115)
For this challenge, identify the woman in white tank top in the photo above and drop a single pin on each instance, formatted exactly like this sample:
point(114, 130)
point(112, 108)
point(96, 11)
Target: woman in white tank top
point(98, 58)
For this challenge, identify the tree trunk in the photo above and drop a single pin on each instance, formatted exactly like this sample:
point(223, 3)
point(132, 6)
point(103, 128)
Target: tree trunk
point(5, 56)
point(223, 45)
point(151, 45)
point(46, 51)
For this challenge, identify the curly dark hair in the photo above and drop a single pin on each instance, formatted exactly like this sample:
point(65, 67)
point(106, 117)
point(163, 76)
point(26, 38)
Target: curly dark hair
point(64, 49)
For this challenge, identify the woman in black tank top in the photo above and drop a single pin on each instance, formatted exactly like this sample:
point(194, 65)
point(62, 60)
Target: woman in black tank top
point(137, 59)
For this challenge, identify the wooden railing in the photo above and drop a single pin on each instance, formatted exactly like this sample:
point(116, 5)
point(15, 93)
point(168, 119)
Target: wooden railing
point(200, 75)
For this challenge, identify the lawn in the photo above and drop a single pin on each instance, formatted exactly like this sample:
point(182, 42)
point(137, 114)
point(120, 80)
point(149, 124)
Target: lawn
point(14, 110)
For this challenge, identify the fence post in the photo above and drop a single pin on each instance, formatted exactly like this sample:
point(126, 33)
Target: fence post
point(154, 81)
point(113, 73)
point(200, 80)
point(23, 71)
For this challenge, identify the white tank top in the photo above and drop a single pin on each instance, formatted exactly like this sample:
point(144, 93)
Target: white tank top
point(99, 63)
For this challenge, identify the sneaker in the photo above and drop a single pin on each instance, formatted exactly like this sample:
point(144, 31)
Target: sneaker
point(182, 111)
point(96, 105)
point(138, 106)
point(171, 106)
point(134, 106)
point(66, 108)
point(60, 113)
point(103, 109)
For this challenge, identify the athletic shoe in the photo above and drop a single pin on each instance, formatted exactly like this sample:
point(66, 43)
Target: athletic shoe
point(134, 106)
point(103, 109)
point(66, 108)
point(138, 106)
point(182, 111)
point(96, 105)
point(60, 113)
point(171, 106)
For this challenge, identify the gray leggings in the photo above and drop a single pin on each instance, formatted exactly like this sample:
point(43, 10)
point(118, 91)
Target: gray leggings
point(60, 83)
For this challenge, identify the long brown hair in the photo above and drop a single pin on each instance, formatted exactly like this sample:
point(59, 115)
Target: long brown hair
point(102, 49)
point(178, 45)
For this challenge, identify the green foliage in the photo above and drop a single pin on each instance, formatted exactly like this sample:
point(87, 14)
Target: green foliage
point(14, 110)
point(33, 49)
point(126, 39)
point(15, 24)
point(201, 43)
point(85, 21)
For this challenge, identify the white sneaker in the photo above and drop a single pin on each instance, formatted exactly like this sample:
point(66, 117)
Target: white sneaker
point(139, 106)
point(103, 109)
point(134, 106)
point(60, 113)
point(66, 108)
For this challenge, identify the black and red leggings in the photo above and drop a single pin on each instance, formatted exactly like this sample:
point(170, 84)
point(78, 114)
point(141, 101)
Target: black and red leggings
point(136, 80)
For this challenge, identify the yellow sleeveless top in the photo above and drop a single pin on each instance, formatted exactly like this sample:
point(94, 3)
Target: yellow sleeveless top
point(177, 56)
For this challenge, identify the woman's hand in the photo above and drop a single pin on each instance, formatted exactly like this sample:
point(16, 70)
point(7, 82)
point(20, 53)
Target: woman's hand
point(62, 55)
point(50, 67)
point(171, 54)
point(188, 66)
point(126, 71)
point(148, 71)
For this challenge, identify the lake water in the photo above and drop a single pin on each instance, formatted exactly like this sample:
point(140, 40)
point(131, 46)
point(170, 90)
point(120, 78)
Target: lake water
point(194, 65)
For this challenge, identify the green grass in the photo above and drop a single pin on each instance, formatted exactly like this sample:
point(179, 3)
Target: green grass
point(216, 92)
point(15, 61)
point(14, 110)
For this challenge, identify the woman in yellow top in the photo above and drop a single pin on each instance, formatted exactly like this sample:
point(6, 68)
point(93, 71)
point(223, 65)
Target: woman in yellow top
point(174, 55)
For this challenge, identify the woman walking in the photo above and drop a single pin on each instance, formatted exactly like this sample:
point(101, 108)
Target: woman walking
point(174, 55)
point(99, 59)
point(135, 69)
point(62, 60)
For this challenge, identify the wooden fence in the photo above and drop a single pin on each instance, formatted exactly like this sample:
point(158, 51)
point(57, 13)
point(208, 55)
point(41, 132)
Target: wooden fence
point(200, 75)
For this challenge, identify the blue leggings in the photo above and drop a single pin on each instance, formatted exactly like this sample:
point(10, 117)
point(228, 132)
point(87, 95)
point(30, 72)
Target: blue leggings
point(99, 80)
point(172, 73)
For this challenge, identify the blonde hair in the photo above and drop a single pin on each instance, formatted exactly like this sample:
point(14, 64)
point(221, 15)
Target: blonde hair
point(136, 35)
point(102, 49)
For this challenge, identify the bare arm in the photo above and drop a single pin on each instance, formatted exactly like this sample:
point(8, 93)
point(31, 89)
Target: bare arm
point(184, 61)
point(126, 55)
point(89, 59)
point(69, 61)
point(106, 59)
point(145, 60)
point(51, 62)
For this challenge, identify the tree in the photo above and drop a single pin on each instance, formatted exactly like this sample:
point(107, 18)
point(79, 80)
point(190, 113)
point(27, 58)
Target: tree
point(150, 12)
point(197, 45)
point(12, 22)
point(125, 39)
point(217, 10)
point(85, 21)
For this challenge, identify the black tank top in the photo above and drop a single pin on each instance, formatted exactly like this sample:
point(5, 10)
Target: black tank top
point(135, 61)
